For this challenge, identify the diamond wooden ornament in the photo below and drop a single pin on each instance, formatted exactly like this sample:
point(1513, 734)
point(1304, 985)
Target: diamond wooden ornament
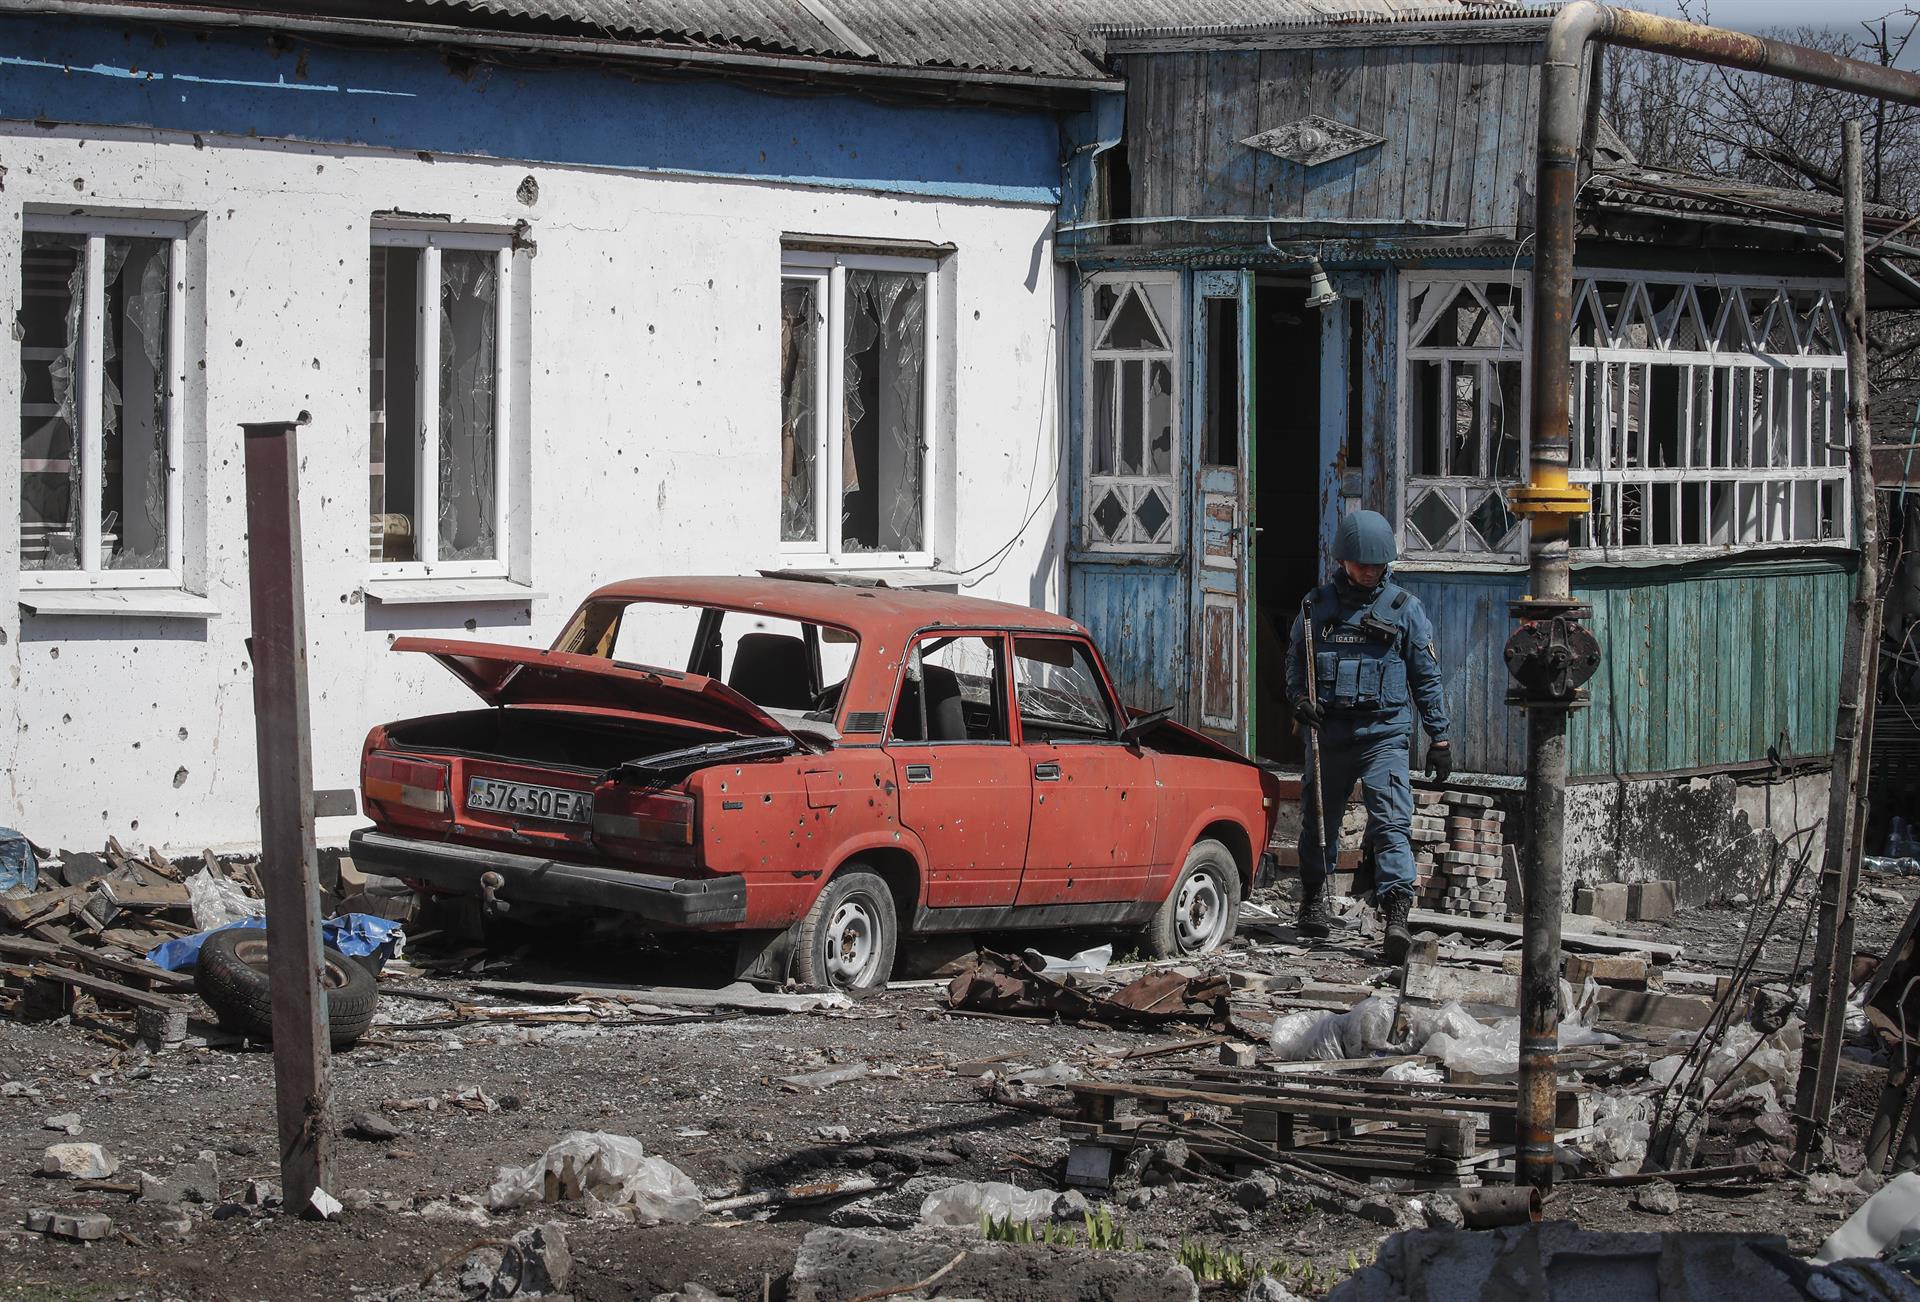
point(1313, 140)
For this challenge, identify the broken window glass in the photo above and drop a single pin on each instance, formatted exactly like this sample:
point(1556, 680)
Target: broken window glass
point(883, 446)
point(134, 395)
point(392, 383)
point(1102, 417)
point(53, 274)
point(468, 288)
point(800, 316)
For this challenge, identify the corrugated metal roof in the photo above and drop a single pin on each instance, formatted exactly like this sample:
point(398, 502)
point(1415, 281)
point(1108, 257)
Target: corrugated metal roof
point(1040, 37)
point(1686, 192)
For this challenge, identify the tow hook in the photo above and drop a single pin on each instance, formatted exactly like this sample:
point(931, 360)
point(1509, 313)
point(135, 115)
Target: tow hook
point(490, 902)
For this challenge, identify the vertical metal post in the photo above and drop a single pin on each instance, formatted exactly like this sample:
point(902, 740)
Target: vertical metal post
point(1853, 723)
point(288, 867)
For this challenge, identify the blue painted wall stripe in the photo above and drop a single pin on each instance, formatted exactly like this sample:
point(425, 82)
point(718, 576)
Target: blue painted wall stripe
point(223, 83)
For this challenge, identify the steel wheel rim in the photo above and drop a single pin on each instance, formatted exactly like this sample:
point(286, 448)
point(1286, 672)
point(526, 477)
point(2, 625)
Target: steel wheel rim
point(1200, 914)
point(853, 944)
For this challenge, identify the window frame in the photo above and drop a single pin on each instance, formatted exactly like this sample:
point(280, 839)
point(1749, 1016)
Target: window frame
point(1457, 488)
point(1003, 670)
point(828, 270)
point(1094, 487)
point(89, 380)
point(1769, 485)
point(1116, 714)
point(426, 450)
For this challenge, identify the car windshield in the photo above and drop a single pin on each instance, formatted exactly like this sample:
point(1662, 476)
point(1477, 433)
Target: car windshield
point(777, 663)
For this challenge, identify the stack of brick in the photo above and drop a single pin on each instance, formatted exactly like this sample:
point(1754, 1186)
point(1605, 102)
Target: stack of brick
point(1458, 847)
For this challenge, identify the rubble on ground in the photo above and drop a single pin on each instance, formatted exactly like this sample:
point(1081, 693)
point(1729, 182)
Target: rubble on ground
point(1261, 1122)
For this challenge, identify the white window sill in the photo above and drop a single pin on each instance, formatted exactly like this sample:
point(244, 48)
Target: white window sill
point(892, 577)
point(425, 592)
point(139, 603)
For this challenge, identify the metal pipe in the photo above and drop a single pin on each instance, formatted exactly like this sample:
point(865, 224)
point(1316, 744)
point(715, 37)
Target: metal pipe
point(1551, 503)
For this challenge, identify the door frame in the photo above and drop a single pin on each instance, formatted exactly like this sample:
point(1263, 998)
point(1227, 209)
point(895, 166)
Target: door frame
point(1213, 489)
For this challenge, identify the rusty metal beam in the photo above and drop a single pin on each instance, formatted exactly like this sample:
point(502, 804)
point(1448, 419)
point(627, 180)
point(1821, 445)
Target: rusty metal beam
point(1551, 503)
point(289, 869)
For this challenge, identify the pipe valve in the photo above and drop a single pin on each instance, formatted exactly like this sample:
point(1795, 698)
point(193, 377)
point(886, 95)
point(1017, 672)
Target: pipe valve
point(1551, 654)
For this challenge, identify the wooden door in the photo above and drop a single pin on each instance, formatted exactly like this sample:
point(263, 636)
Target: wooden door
point(1220, 370)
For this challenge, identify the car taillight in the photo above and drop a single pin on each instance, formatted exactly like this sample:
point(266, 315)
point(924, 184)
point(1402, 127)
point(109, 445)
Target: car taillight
point(421, 789)
point(646, 826)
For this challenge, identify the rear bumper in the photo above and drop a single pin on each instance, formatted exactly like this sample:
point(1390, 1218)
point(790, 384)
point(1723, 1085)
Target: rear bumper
point(671, 901)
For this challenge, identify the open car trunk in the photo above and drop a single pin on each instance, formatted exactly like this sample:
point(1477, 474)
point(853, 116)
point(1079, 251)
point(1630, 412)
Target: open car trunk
point(548, 738)
point(533, 676)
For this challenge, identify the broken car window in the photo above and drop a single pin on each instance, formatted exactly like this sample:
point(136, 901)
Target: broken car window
point(777, 663)
point(953, 690)
point(1058, 691)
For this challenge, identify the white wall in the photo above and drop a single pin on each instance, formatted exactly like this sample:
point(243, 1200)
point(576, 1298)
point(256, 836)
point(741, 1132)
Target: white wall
point(652, 400)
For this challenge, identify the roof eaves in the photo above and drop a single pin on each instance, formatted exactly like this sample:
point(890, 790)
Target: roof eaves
point(676, 52)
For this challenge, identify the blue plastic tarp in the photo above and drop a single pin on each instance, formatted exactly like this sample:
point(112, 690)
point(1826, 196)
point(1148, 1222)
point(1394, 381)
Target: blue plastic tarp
point(18, 867)
point(354, 934)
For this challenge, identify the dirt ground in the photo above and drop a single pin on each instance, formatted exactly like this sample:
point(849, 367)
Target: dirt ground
point(703, 1095)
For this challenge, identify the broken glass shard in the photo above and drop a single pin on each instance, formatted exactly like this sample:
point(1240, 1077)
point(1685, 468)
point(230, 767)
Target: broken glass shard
point(1435, 518)
point(1153, 514)
point(883, 419)
point(133, 425)
point(1160, 419)
point(1133, 328)
point(394, 422)
point(468, 288)
point(1110, 515)
point(799, 432)
point(52, 273)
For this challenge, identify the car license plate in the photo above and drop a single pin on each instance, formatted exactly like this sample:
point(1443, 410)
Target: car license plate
point(529, 801)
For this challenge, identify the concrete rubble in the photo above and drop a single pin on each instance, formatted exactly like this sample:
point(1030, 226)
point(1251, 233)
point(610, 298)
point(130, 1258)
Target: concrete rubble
point(1279, 1120)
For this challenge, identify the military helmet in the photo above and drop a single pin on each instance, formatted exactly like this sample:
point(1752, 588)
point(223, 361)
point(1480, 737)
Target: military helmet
point(1365, 538)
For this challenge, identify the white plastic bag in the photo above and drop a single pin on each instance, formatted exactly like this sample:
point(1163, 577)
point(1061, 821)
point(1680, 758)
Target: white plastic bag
point(219, 901)
point(1324, 1037)
point(1088, 962)
point(611, 1170)
point(964, 1206)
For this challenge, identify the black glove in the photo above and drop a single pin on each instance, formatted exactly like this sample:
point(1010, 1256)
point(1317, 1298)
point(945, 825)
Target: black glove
point(1306, 712)
point(1440, 761)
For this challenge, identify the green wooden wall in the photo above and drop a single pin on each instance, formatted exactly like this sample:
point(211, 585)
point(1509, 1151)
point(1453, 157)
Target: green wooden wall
point(1704, 665)
point(1709, 665)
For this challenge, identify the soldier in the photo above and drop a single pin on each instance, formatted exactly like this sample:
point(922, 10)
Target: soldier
point(1374, 664)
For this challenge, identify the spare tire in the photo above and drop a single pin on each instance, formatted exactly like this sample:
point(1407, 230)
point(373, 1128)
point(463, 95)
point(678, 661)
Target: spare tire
point(231, 976)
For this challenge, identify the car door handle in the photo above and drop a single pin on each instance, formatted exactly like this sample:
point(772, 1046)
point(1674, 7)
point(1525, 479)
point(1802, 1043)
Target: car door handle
point(919, 772)
point(1049, 771)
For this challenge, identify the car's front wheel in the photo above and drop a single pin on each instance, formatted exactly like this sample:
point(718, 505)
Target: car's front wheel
point(848, 938)
point(1202, 910)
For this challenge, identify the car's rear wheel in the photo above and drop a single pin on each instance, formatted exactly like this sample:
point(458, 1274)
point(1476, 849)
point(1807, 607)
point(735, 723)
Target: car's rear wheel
point(1202, 911)
point(848, 938)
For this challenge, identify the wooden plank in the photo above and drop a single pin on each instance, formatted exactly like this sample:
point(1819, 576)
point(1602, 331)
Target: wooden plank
point(102, 988)
point(1423, 124)
point(1378, 75)
point(673, 997)
point(1326, 192)
point(1445, 111)
point(1477, 135)
point(44, 952)
point(24, 911)
point(1379, 180)
point(1306, 1105)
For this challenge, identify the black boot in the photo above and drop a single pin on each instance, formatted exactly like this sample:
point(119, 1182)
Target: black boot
point(1393, 910)
point(1313, 919)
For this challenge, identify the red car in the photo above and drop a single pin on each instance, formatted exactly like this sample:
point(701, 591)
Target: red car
point(820, 768)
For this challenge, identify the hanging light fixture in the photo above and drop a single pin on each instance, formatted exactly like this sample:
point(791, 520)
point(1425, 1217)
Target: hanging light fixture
point(1319, 289)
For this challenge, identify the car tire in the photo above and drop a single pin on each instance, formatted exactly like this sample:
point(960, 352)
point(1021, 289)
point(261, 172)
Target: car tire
point(231, 975)
point(1202, 911)
point(848, 938)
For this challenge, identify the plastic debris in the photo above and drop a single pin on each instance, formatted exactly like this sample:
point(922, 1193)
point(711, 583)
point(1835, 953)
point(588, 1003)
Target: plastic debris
point(1088, 962)
point(606, 1171)
point(219, 902)
point(357, 935)
point(1054, 1073)
point(18, 866)
point(1448, 1033)
point(1889, 1219)
point(965, 1206)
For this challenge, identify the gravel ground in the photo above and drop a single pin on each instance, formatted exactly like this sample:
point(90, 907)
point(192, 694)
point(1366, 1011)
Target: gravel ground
point(703, 1095)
